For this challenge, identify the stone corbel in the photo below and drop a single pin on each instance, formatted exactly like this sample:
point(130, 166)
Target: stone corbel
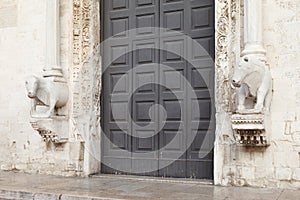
point(50, 92)
point(253, 82)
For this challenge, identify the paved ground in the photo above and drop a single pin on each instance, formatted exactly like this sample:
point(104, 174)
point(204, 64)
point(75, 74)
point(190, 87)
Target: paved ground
point(41, 187)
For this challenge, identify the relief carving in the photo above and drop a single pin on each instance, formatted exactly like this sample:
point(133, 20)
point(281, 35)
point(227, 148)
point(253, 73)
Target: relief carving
point(226, 27)
point(47, 94)
point(54, 129)
point(253, 82)
point(86, 67)
point(249, 129)
point(50, 93)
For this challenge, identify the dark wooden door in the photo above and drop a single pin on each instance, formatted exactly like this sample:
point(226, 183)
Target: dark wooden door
point(141, 135)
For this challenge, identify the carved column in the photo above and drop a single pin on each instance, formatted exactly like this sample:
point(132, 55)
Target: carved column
point(253, 32)
point(50, 93)
point(52, 33)
point(253, 82)
point(53, 68)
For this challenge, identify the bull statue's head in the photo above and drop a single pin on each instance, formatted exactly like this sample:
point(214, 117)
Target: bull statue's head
point(247, 65)
point(241, 71)
point(31, 84)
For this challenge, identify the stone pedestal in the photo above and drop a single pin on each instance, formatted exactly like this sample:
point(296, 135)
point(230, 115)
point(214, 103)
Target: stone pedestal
point(54, 129)
point(250, 129)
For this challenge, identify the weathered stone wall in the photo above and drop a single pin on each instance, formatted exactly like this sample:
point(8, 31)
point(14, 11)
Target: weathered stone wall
point(23, 50)
point(279, 164)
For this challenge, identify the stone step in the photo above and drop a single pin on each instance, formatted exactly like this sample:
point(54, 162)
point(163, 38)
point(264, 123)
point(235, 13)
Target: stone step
point(21, 195)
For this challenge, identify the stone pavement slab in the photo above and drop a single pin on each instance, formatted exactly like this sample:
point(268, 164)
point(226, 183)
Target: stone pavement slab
point(111, 187)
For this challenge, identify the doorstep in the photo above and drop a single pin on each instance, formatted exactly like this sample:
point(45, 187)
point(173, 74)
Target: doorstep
point(111, 187)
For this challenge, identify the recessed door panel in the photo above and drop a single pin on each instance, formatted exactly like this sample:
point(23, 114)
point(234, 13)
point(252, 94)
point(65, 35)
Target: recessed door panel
point(158, 108)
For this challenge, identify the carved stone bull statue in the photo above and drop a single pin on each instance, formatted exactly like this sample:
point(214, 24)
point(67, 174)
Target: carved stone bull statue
point(252, 79)
point(48, 93)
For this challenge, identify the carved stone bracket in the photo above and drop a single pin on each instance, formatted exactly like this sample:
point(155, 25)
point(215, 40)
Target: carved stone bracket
point(53, 129)
point(250, 129)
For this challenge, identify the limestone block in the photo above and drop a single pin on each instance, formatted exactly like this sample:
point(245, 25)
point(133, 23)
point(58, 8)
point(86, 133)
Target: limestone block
point(264, 173)
point(296, 174)
point(21, 166)
point(6, 167)
point(283, 146)
point(8, 16)
point(277, 130)
point(286, 159)
point(248, 172)
point(296, 137)
point(283, 174)
point(40, 196)
point(76, 151)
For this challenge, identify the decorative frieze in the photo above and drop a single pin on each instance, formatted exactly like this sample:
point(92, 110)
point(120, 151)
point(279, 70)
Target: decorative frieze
point(82, 11)
point(248, 121)
point(227, 12)
point(249, 129)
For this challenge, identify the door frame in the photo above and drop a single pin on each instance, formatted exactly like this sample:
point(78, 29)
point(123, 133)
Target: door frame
point(85, 31)
point(102, 13)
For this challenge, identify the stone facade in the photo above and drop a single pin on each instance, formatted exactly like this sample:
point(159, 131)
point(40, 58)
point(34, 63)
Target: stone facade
point(23, 45)
point(23, 49)
point(278, 164)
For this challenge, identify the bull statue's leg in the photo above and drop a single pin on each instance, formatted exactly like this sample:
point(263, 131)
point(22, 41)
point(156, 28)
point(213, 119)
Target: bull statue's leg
point(242, 94)
point(261, 95)
point(263, 98)
point(33, 108)
point(52, 103)
point(268, 100)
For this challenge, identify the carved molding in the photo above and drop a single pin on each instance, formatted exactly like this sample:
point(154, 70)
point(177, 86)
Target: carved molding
point(54, 129)
point(226, 28)
point(250, 129)
point(222, 30)
point(244, 122)
point(81, 49)
point(86, 72)
point(227, 17)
